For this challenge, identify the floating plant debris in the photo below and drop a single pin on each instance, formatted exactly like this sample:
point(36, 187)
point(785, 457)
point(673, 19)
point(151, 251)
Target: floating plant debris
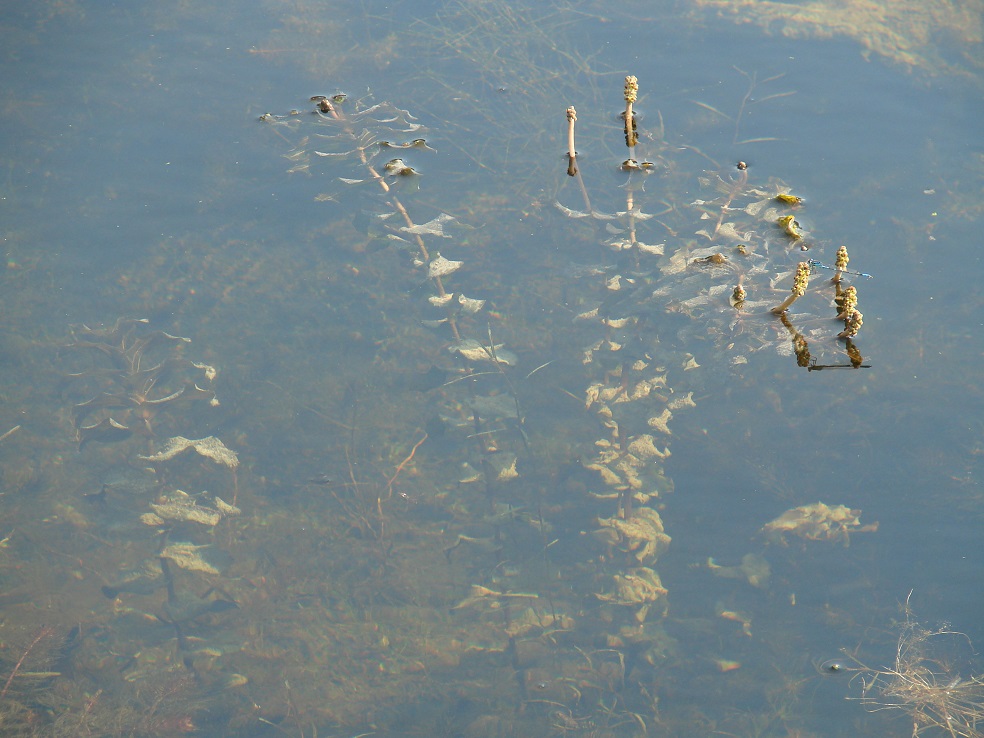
point(923, 681)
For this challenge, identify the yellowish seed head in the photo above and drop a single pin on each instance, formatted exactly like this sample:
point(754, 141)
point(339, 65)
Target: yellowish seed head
point(801, 279)
point(631, 89)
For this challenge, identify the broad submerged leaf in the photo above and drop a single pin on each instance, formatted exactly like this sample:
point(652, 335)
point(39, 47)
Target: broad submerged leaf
point(441, 267)
point(433, 227)
point(209, 447)
point(476, 351)
point(470, 305)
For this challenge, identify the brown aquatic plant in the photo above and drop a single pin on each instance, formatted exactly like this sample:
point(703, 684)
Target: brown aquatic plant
point(923, 684)
point(147, 372)
point(817, 522)
point(571, 151)
point(32, 647)
point(330, 109)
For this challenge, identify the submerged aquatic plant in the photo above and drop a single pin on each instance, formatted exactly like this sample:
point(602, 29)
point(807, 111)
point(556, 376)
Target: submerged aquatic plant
point(31, 650)
point(147, 373)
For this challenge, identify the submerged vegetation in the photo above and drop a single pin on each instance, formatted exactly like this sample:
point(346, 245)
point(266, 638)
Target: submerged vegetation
point(506, 515)
point(457, 561)
point(907, 33)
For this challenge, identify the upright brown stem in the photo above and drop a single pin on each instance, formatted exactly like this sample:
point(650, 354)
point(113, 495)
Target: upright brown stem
point(571, 119)
point(631, 94)
point(43, 633)
point(571, 151)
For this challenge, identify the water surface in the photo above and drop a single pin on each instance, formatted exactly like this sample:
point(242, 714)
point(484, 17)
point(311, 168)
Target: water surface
point(142, 184)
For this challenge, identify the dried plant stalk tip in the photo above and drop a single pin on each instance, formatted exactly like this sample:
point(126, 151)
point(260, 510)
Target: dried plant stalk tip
point(571, 119)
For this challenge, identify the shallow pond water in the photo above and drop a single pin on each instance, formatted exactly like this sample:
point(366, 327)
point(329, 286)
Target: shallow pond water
point(464, 519)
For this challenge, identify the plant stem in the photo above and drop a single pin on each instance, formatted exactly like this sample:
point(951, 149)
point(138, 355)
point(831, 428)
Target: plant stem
point(571, 151)
point(43, 633)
